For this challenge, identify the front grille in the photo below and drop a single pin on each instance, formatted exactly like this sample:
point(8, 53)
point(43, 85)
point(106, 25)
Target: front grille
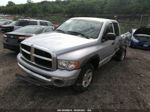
point(42, 53)
point(27, 56)
point(37, 56)
point(25, 47)
point(43, 62)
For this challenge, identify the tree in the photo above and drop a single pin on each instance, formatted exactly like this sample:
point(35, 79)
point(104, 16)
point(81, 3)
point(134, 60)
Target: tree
point(78, 7)
point(29, 1)
point(10, 3)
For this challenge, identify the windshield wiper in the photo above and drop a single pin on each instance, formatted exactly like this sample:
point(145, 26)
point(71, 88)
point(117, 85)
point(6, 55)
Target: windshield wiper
point(60, 31)
point(77, 33)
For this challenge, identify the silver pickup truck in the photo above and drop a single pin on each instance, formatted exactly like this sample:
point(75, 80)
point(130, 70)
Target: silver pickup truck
point(70, 55)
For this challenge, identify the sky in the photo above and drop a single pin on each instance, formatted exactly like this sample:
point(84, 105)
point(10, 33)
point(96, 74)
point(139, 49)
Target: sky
point(4, 2)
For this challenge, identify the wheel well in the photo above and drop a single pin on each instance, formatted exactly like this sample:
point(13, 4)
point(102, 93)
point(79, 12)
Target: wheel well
point(94, 61)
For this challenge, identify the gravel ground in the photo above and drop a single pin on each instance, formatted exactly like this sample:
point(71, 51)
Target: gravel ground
point(117, 86)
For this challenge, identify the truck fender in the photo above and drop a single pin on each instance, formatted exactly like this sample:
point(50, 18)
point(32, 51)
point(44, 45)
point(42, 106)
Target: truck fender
point(94, 60)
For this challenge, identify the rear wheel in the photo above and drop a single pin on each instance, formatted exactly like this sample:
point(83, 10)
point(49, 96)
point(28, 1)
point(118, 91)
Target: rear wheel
point(121, 54)
point(85, 78)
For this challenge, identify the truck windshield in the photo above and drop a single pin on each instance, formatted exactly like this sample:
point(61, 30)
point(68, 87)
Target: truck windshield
point(84, 28)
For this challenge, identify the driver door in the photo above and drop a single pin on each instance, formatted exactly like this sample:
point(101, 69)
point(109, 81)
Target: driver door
point(108, 45)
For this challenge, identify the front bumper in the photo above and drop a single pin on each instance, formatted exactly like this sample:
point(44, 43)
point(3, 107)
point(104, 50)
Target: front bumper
point(141, 45)
point(59, 78)
point(14, 47)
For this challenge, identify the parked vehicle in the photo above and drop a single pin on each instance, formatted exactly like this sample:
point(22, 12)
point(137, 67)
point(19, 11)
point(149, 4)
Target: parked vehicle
point(8, 27)
point(24, 22)
point(4, 22)
point(70, 55)
point(12, 39)
point(140, 38)
point(127, 38)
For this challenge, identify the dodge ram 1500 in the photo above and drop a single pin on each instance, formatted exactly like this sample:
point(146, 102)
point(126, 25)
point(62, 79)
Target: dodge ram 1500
point(69, 55)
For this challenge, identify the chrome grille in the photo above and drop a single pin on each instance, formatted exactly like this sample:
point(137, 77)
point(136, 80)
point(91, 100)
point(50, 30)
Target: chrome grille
point(25, 47)
point(36, 56)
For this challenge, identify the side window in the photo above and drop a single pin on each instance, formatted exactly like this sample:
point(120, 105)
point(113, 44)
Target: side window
point(116, 28)
point(22, 23)
point(32, 22)
point(43, 23)
point(109, 29)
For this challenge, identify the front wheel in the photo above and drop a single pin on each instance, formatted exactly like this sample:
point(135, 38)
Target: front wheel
point(121, 54)
point(85, 78)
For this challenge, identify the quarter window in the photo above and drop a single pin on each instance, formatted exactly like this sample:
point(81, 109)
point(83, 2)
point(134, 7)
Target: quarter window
point(43, 23)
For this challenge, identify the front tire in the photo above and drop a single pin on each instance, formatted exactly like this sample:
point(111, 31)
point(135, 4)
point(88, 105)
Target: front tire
point(85, 78)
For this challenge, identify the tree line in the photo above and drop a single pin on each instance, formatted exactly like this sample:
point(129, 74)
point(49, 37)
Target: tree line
point(78, 7)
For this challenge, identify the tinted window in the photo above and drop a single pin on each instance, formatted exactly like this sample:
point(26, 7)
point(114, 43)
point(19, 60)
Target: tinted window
point(116, 29)
point(109, 29)
point(32, 23)
point(24, 23)
point(43, 23)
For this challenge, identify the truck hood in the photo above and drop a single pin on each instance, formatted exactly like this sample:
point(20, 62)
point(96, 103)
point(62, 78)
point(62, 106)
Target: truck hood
point(58, 42)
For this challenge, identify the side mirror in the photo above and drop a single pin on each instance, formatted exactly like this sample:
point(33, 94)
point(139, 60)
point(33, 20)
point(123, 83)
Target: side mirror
point(110, 36)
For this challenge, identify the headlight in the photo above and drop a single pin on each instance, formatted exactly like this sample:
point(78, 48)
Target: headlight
point(68, 65)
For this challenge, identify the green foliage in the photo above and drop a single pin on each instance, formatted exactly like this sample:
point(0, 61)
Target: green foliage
point(78, 8)
point(15, 18)
point(10, 3)
point(29, 1)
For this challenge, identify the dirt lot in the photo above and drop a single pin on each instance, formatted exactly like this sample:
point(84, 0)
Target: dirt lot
point(122, 86)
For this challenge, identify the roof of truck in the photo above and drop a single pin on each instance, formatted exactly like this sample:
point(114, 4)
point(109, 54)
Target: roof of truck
point(95, 19)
